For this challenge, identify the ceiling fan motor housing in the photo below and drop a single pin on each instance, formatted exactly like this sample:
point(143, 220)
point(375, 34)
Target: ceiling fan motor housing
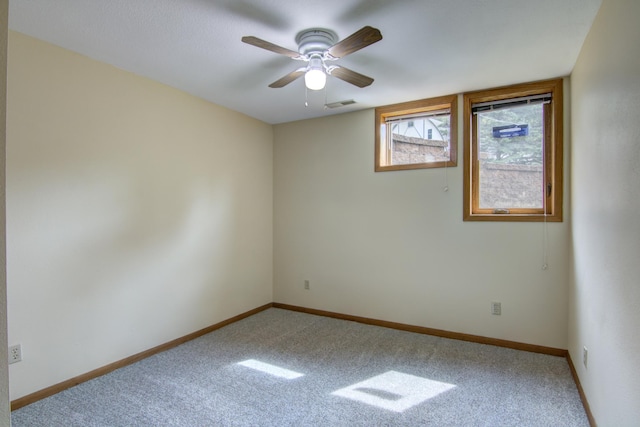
point(315, 40)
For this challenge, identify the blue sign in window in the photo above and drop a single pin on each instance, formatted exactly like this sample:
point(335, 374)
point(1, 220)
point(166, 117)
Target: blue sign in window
point(510, 131)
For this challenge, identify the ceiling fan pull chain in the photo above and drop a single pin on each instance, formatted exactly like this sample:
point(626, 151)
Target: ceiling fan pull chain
point(325, 96)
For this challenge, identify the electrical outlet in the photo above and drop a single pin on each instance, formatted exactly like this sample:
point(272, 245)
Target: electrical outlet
point(585, 356)
point(306, 284)
point(15, 353)
point(496, 308)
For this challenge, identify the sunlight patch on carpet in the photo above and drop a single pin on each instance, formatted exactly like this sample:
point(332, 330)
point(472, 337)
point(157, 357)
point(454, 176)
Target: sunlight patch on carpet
point(271, 369)
point(394, 391)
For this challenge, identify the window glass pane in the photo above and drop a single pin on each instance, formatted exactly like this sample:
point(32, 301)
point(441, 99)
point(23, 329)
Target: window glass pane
point(416, 134)
point(419, 139)
point(511, 157)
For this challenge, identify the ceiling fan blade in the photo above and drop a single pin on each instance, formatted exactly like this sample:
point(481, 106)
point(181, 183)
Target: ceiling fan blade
point(350, 76)
point(270, 46)
point(356, 41)
point(288, 78)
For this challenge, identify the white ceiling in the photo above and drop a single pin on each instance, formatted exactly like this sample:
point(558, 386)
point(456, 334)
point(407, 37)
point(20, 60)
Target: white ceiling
point(429, 47)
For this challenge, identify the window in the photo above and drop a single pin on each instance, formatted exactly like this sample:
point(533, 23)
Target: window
point(417, 134)
point(513, 153)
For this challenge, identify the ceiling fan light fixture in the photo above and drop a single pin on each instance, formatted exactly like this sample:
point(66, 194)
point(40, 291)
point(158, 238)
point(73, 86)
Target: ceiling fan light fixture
point(315, 77)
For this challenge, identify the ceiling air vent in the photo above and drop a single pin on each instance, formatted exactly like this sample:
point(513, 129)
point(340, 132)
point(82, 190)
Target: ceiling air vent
point(339, 104)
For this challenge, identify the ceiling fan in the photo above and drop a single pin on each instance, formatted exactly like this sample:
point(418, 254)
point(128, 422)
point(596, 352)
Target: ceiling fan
point(317, 46)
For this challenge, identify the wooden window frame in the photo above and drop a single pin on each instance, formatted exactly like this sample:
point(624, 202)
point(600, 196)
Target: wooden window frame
point(553, 155)
point(421, 106)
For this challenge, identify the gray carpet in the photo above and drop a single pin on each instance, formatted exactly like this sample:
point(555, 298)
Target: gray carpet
point(348, 374)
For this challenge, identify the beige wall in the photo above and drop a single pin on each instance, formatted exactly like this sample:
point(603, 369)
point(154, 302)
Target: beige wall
point(605, 285)
point(136, 213)
point(393, 246)
point(4, 373)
